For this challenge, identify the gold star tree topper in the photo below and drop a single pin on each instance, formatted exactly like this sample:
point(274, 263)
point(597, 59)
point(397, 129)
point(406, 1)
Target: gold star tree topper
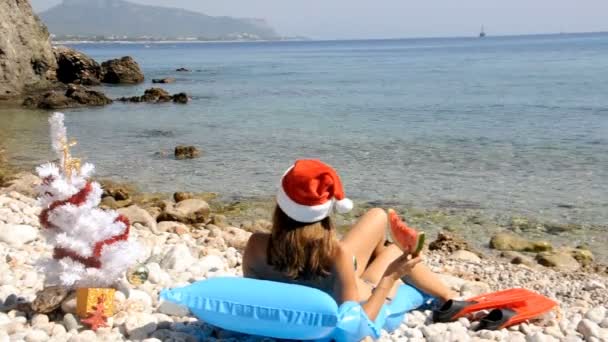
point(62, 146)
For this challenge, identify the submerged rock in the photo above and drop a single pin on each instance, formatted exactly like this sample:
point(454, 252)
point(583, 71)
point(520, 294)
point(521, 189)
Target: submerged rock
point(181, 98)
point(186, 152)
point(156, 95)
point(164, 80)
point(121, 71)
point(512, 242)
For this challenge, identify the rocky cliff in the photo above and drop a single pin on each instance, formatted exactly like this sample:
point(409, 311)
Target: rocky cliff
point(27, 62)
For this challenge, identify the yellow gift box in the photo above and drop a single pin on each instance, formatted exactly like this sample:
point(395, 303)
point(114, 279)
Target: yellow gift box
point(88, 298)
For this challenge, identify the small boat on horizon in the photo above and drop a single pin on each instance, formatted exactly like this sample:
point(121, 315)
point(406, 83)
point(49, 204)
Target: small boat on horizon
point(482, 33)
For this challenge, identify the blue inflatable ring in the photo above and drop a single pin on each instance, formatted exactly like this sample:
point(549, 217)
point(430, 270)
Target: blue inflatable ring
point(287, 311)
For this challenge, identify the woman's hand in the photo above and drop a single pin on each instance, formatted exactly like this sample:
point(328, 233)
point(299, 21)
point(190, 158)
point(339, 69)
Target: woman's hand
point(402, 266)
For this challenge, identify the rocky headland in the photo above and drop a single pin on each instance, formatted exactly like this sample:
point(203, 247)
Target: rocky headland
point(27, 62)
point(37, 75)
point(192, 236)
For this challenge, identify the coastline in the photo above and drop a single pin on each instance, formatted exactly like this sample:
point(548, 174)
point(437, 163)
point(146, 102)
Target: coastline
point(474, 225)
point(178, 253)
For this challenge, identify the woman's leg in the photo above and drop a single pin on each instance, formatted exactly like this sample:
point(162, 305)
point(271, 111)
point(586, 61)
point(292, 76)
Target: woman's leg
point(366, 238)
point(421, 277)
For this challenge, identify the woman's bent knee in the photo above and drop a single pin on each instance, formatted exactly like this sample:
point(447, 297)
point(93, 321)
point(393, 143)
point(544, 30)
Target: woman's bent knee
point(378, 213)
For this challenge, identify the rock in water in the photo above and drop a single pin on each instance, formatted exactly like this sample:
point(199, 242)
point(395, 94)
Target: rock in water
point(164, 80)
point(26, 56)
point(76, 67)
point(512, 242)
point(181, 98)
point(156, 95)
point(560, 260)
point(87, 97)
point(124, 70)
point(181, 196)
point(583, 256)
point(74, 96)
point(186, 152)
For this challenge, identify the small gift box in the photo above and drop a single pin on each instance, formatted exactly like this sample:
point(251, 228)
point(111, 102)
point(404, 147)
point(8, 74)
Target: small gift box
point(88, 298)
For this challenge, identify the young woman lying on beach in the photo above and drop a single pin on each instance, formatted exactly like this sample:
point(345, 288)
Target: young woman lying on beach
point(303, 248)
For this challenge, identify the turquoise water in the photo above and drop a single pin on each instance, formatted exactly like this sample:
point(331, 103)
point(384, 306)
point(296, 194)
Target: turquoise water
point(517, 125)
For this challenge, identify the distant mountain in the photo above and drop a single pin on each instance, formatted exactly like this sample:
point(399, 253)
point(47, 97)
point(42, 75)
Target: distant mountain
point(119, 18)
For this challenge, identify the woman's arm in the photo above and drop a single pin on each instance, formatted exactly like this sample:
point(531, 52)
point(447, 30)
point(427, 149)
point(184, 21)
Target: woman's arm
point(345, 287)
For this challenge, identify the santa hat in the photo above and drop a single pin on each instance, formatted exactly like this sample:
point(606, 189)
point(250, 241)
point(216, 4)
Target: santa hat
point(309, 190)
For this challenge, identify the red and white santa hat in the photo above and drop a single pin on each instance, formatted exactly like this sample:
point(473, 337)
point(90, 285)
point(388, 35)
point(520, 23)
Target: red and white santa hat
point(309, 190)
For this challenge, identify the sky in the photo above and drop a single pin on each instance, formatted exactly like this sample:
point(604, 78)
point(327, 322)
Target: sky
point(349, 19)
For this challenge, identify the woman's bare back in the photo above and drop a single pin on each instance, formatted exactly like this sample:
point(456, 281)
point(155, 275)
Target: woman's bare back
point(256, 265)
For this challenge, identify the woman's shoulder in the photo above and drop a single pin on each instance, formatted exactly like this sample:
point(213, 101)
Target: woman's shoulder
point(258, 241)
point(254, 256)
point(256, 247)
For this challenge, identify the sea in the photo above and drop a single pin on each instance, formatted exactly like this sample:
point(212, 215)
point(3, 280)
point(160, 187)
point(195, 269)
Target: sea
point(511, 125)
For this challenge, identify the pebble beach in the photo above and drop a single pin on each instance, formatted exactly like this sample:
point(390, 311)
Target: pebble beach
point(177, 254)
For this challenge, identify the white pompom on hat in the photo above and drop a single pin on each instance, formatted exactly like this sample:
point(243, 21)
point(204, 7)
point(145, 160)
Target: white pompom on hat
point(309, 190)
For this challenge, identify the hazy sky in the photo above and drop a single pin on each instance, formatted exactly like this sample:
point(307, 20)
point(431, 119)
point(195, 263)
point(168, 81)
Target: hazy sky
point(333, 19)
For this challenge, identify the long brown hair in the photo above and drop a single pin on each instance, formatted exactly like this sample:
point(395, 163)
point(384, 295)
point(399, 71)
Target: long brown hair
point(301, 251)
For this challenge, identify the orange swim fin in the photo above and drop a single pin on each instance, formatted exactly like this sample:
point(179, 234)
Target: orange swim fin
point(453, 309)
point(503, 318)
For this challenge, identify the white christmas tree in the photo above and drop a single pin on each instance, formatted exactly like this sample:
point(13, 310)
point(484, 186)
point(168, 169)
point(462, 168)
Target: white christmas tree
point(91, 246)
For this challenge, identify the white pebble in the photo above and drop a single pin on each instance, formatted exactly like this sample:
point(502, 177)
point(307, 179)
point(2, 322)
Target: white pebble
point(178, 258)
point(597, 314)
point(30, 279)
point(594, 285)
point(17, 235)
point(173, 309)
point(36, 336)
point(140, 325)
point(58, 330)
point(412, 333)
point(140, 297)
point(554, 331)
point(588, 329)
